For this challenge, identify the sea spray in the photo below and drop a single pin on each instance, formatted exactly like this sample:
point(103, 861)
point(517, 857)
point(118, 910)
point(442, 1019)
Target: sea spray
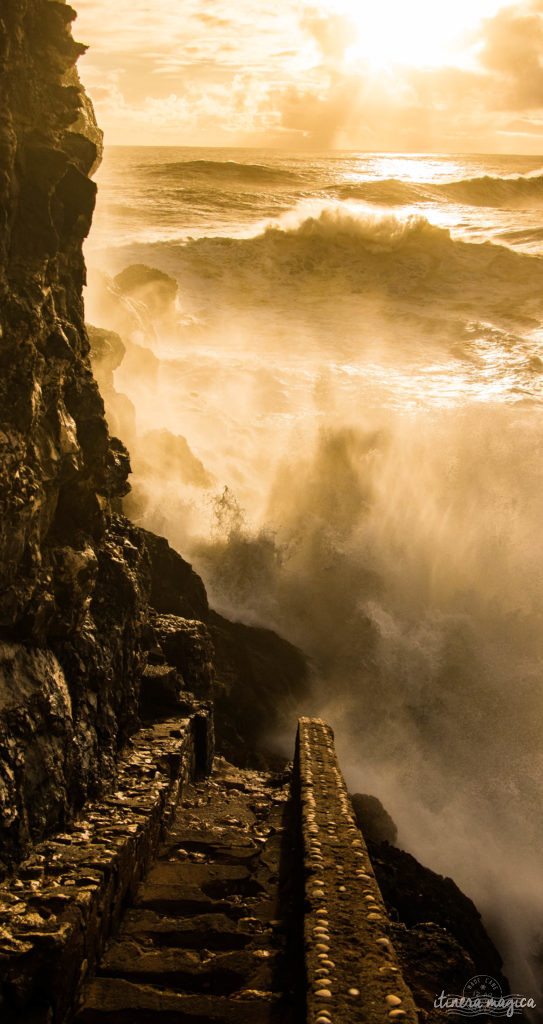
point(349, 415)
point(405, 562)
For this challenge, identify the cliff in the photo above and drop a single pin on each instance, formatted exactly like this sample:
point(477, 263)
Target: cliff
point(76, 635)
point(70, 649)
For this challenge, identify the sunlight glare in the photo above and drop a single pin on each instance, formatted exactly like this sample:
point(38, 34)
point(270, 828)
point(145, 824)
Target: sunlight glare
point(422, 33)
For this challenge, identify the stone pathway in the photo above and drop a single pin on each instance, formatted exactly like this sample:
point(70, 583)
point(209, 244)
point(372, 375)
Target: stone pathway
point(215, 933)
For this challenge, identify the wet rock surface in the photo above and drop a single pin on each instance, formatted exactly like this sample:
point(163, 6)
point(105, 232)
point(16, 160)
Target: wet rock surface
point(438, 932)
point(213, 933)
point(74, 576)
point(373, 819)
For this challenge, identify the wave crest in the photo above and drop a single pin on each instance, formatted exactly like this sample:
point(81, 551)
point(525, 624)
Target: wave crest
point(225, 171)
point(500, 192)
point(506, 193)
point(336, 251)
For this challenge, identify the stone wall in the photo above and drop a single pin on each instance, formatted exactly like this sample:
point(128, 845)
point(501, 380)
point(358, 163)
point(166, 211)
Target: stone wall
point(352, 970)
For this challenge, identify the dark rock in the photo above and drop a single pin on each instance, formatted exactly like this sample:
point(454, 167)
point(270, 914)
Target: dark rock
point(175, 587)
point(74, 577)
point(159, 453)
point(436, 918)
point(187, 645)
point(37, 742)
point(373, 820)
point(161, 686)
point(433, 961)
point(261, 680)
point(155, 289)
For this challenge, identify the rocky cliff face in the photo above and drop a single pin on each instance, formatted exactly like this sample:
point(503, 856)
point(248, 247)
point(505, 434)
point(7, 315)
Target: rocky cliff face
point(82, 649)
point(70, 650)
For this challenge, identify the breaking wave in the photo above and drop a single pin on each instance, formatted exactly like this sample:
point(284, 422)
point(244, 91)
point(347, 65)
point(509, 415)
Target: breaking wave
point(504, 193)
point(338, 250)
point(361, 393)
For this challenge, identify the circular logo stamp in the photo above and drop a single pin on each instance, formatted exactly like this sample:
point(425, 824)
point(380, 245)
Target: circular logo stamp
point(482, 986)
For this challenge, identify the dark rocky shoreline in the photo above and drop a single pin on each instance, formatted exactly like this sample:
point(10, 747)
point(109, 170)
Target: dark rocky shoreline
point(102, 624)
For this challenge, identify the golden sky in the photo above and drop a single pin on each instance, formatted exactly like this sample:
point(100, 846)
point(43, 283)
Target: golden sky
point(404, 75)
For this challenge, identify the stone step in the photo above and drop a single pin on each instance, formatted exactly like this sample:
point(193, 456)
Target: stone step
point(207, 931)
point(116, 1001)
point(218, 847)
point(226, 878)
point(207, 938)
point(189, 971)
point(185, 900)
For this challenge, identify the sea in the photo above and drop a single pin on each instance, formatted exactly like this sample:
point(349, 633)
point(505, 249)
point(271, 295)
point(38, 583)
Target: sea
point(344, 433)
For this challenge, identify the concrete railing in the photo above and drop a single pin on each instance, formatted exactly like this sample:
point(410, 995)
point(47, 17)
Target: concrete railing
point(352, 971)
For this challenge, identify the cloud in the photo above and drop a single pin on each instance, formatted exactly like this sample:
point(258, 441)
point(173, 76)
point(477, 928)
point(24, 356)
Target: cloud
point(409, 108)
point(333, 33)
point(511, 51)
point(215, 74)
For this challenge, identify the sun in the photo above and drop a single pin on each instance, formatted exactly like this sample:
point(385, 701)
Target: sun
point(419, 33)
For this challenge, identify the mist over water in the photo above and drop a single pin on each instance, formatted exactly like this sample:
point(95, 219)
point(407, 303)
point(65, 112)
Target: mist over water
point(353, 396)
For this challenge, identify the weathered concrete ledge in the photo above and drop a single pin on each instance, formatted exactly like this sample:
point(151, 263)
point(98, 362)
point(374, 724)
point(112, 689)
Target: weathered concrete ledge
point(352, 972)
point(69, 895)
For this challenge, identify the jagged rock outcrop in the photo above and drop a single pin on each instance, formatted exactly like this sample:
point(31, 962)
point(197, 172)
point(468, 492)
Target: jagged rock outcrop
point(175, 588)
point(74, 577)
point(257, 679)
point(373, 819)
point(261, 680)
point(437, 931)
point(138, 303)
point(77, 578)
point(155, 289)
point(187, 644)
point(107, 354)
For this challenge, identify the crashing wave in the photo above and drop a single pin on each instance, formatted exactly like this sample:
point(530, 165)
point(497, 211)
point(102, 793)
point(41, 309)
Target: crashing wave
point(337, 251)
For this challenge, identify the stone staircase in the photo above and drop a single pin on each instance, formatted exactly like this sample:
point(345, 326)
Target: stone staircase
point(201, 893)
point(215, 933)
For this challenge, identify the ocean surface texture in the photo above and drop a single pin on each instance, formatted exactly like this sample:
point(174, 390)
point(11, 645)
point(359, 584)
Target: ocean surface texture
point(345, 433)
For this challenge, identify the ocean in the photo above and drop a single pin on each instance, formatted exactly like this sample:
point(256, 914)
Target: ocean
point(344, 433)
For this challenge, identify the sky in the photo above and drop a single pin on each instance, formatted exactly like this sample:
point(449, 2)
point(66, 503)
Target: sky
point(419, 76)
